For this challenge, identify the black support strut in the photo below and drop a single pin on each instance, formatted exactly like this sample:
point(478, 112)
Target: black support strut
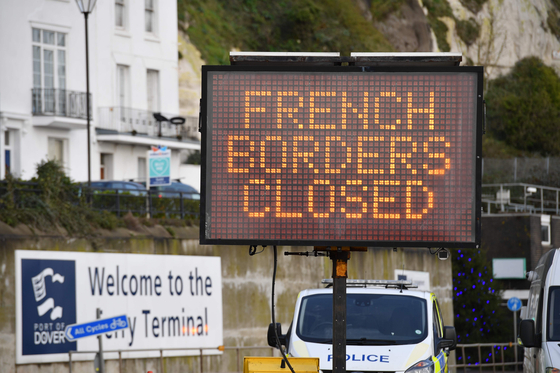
point(340, 273)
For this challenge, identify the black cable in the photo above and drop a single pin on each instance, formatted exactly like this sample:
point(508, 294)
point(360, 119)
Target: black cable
point(273, 319)
point(435, 252)
point(253, 250)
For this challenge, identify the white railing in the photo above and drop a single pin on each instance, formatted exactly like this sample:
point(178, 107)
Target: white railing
point(520, 197)
point(142, 122)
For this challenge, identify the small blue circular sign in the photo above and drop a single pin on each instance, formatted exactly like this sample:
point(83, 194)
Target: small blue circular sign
point(514, 304)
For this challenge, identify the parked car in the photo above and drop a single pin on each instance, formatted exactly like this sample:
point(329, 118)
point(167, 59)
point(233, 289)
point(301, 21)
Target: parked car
point(174, 190)
point(133, 188)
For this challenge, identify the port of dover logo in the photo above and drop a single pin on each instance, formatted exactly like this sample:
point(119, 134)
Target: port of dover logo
point(48, 305)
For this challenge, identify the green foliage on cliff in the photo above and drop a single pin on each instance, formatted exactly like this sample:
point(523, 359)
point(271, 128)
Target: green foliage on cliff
point(218, 26)
point(524, 107)
point(380, 9)
point(553, 22)
point(436, 10)
point(473, 5)
point(468, 30)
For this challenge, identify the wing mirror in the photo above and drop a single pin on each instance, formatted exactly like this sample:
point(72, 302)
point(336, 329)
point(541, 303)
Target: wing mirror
point(449, 338)
point(271, 336)
point(527, 333)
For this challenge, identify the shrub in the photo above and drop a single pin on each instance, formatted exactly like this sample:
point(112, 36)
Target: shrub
point(524, 106)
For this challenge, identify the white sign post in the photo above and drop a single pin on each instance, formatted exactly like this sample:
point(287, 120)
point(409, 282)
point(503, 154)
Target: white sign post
point(514, 304)
point(170, 301)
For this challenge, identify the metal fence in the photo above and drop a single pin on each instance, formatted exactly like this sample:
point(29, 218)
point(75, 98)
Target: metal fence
point(118, 201)
point(515, 170)
point(200, 356)
point(483, 357)
point(489, 356)
point(128, 120)
point(59, 102)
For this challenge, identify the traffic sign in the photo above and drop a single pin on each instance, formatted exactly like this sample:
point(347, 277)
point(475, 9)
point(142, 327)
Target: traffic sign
point(514, 304)
point(96, 327)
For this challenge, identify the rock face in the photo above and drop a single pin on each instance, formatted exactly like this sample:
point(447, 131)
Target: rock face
point(509, 31)
point(409, 30)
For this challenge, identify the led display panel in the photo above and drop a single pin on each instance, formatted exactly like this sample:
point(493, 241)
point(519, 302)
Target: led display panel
point(341, 156)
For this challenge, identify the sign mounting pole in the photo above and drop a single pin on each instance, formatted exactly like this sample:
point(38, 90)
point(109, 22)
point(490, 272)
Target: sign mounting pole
point(339, 259)
point(100, 338)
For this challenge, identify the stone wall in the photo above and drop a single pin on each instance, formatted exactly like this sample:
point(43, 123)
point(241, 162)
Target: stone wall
point(246, 290)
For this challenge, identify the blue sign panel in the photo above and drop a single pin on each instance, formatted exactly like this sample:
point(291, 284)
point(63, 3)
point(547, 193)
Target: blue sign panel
point(96, 327)
point(48, 296)
point(514, 304)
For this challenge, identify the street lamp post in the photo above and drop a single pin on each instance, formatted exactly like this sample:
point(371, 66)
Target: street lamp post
point(86, 7)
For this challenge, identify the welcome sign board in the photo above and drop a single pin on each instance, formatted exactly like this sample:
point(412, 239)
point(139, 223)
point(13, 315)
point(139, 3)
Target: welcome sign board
point(171, 301)
point(341, 156)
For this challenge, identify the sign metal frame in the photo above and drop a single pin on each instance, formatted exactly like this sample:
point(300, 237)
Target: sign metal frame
point(207, 156)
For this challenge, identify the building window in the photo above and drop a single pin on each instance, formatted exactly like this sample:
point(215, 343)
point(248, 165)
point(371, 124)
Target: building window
point(545, 230)
point(56, 150)
point(106, 171)
point(120, 15)
point(122, 85)
point(149, 16)
point(153, 90)
point(49, 71)
point(7, 153)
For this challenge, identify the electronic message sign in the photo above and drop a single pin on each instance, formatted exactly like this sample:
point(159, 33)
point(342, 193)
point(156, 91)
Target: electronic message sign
point(341, 156)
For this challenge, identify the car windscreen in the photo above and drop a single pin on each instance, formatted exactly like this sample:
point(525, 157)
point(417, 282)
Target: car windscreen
point(553, 317)
point(371, 319)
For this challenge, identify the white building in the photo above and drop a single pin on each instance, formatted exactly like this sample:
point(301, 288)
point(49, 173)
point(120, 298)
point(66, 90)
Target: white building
point(133, 73)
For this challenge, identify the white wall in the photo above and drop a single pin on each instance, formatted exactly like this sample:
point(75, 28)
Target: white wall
point(190, 174)
point(138, 50)
point(108, 47)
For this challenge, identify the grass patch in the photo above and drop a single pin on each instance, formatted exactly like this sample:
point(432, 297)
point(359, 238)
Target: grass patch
point(216, 27)
point(381, 9)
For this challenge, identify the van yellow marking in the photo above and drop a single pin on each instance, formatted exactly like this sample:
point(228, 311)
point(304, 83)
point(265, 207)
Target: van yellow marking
point(417, 353)
point(301, 348)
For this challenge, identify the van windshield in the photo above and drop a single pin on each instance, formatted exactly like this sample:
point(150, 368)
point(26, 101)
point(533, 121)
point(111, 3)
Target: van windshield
point(371, 319)
point(553, 319)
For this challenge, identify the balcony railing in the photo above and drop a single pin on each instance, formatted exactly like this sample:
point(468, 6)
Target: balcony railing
point(127, 120)
point(59, 102)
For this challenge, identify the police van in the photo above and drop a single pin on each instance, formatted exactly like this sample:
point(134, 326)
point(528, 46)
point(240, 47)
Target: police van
point(389, 328)
point(540, 327)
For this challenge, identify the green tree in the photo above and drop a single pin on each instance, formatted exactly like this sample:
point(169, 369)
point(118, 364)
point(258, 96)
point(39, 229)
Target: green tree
point(479, 318)
point(524, 107)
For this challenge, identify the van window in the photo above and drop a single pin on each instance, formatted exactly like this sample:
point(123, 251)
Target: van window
point(371, 319)
point(535, 301)
point(553, 314)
